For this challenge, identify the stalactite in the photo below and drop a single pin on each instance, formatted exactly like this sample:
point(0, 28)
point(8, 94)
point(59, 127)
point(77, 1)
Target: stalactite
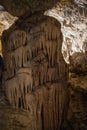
point(35, 70)
point(44, 100)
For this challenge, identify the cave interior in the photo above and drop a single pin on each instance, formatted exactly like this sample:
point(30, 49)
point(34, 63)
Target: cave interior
point(43, 65)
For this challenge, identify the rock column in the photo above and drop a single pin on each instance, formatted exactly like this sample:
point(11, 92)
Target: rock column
point(35, 76)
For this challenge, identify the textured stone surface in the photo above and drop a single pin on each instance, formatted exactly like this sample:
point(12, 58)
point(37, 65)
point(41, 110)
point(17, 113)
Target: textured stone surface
point(13, 119)
point(50, 102)
point(78, 63)
point(6, 20)
point(79, 82)
point(31, 42)
point(73, 18)
point(19, 7)
point(35, 76)
point(77, 114)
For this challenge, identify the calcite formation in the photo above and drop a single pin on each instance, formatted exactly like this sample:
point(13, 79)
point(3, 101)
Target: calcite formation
point(6, 20)
point(35, 76)
point(72, 14)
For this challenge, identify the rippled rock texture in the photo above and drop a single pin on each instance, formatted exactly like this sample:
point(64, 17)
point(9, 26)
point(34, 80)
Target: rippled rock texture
point(35, 76)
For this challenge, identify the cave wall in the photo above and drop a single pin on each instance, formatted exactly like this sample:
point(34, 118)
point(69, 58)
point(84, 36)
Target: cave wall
point(72, 14)
point(35, 76)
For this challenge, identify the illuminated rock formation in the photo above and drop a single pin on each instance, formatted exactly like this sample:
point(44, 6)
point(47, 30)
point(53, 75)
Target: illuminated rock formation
point(35, 76)
point(6, 20)
point(72, 14)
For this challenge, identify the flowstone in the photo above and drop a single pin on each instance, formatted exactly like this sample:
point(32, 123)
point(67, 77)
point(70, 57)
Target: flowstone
point(35, 76)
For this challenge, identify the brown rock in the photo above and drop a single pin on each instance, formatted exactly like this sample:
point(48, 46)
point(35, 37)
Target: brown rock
point(35, 76)
point(20, 7)
point(78, 63)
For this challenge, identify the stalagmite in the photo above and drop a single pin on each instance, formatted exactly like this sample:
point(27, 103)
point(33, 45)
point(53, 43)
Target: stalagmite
point(35, 75)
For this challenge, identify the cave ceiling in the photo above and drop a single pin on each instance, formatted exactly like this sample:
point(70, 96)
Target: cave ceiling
point(20, 7)
point(72, 14)
point(73, 18)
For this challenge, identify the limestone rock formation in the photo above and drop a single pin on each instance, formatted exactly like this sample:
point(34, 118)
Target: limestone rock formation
point(11, 118)
point(35, 76)
point(6, 20)
point(73, 18)
point(79, 83)
point(20, 7)
point(77, 114)
point(78, 63)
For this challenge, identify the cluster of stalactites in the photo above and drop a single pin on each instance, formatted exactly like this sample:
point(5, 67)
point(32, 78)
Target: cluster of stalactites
point(32, 59)
point(48, 106)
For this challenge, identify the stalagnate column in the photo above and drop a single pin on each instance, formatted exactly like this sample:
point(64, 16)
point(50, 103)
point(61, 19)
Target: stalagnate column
point(35, 75)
